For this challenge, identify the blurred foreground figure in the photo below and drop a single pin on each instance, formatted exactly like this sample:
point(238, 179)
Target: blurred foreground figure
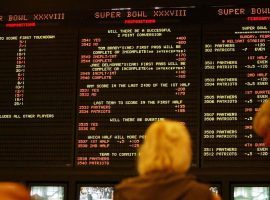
point(13, 191)
point(165, 157)
point(261, 122)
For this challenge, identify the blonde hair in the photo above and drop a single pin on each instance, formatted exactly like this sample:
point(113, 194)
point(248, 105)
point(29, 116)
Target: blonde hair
point(167, 147)
point(261, 121)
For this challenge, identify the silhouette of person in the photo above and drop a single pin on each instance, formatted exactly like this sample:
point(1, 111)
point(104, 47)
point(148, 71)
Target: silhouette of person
point(165, 157)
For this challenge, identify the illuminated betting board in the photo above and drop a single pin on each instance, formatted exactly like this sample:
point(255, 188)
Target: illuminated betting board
point(37, 90)
point(135, 67)
point(79, 89)
point(235, 82)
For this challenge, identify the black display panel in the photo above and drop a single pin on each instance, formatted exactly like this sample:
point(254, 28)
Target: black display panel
point(37, 90)
point(135, 67)
point(132, 67)
point(235, 82)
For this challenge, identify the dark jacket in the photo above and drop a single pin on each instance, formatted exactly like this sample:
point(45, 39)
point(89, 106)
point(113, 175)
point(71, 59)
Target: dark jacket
point(162, 186)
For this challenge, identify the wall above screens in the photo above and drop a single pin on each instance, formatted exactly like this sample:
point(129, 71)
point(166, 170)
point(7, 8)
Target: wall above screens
point(79, 88)
point(133, 67)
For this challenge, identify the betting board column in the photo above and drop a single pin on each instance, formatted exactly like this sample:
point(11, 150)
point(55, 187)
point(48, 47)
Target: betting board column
point(136, 67)
point(20, 70)
point(37, 90)
point(235, 83)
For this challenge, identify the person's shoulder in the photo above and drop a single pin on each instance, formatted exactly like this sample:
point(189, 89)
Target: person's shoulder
point(202, 190)
point(199, 186)
point(199, 190)
point(127, 181)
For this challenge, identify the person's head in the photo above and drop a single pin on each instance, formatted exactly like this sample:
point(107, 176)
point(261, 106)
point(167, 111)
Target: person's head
point(166, 147)
point(261, 122)
point(13, 191)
